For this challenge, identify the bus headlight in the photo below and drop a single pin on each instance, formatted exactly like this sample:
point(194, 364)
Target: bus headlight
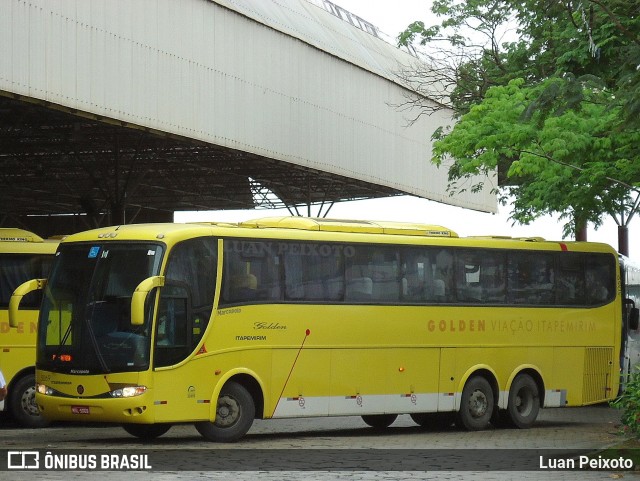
point(45, 390)
point(129, 391)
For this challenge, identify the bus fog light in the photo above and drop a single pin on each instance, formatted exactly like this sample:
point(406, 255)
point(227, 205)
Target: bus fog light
point(129, 391)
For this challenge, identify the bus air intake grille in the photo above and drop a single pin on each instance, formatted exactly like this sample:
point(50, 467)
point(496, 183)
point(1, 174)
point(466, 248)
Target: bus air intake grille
point(597, 374)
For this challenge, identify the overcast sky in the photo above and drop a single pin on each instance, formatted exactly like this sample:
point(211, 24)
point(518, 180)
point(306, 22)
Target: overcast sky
point(392, 16)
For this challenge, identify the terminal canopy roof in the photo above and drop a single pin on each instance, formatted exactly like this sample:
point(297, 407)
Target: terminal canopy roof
point(58, 163)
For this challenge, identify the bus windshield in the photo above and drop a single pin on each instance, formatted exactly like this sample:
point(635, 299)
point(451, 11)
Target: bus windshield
point(85, 320)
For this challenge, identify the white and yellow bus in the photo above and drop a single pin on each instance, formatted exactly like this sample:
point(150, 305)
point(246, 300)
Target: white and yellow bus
point(23, 256)
point(216, 325)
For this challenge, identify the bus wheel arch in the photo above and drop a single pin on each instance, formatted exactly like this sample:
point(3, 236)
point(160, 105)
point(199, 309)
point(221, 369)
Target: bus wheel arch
point(237, 404)
point(478, 400)
point(21, 401)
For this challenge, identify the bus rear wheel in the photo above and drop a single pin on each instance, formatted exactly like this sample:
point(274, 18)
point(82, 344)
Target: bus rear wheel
point(22, 403)
point(379, 421)
point(146, 431)
point(476, 406)
point(524, 402)
point(235, 412)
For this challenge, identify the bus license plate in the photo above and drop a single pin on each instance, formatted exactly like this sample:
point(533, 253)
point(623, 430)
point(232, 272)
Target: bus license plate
point(80, 409)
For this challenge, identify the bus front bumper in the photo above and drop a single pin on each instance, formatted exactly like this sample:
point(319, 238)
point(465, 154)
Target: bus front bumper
point(137, 409)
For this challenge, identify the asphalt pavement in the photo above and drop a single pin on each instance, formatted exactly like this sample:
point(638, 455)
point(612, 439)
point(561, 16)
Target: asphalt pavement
point(328, 449)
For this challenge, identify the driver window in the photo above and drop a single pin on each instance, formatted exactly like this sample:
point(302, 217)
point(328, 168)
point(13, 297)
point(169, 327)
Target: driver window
point(186, 300)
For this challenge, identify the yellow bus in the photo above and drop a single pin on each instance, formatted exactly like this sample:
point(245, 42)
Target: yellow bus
point(23, 256)
point(630, 352)
point(216, 325)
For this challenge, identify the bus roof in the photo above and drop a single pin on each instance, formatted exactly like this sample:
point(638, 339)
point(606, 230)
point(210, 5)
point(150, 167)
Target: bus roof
point(11, 234)
point(20, 241)
point(344, 230)
point(352, 226)
point(506, 237)
point(160, 231)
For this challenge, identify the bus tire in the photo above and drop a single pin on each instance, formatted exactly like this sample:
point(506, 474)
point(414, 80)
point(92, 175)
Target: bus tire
point(524, 402)
point(22, 403)
point(235, 412)
point(436, 421)
point(146, 431)
point(379, 421)
point(476, 406)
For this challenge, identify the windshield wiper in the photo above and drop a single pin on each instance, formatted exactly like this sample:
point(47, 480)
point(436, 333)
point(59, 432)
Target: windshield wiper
point(94, 341)
point(63, 341)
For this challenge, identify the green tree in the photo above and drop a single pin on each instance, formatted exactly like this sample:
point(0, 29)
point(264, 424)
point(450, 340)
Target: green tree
point(554, 111)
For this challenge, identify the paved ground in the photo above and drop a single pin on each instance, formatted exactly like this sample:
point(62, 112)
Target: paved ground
point(337, 448)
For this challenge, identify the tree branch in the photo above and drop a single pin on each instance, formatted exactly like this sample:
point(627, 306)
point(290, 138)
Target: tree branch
point(581, 169)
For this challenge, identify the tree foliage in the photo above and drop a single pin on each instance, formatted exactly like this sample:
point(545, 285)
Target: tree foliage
point(547, 93)
point(629, 403)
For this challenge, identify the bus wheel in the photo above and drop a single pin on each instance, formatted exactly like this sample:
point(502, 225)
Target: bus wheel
point(379, 421)
point(22, 403)
point(146, 431)
point(235, 412)
point(524, 402)
point(433, 420)
point(476, 406)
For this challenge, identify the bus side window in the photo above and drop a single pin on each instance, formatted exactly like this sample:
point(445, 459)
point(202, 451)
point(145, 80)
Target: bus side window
point(571, 279)
point(600, 279)
point(492, 277)
point(384, 270)
point(481, 277)
point(18, 268)
point(294, 276)
point(468, 277)
point(417, 276)
point(313, 272)
point(443, 276)
point(251, 272)
point(358, 282)
point(531, 278)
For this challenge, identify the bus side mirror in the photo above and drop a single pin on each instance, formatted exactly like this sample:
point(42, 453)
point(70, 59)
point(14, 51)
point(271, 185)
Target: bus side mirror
point(140, 296)
point(634, 316)
point(16, 298)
